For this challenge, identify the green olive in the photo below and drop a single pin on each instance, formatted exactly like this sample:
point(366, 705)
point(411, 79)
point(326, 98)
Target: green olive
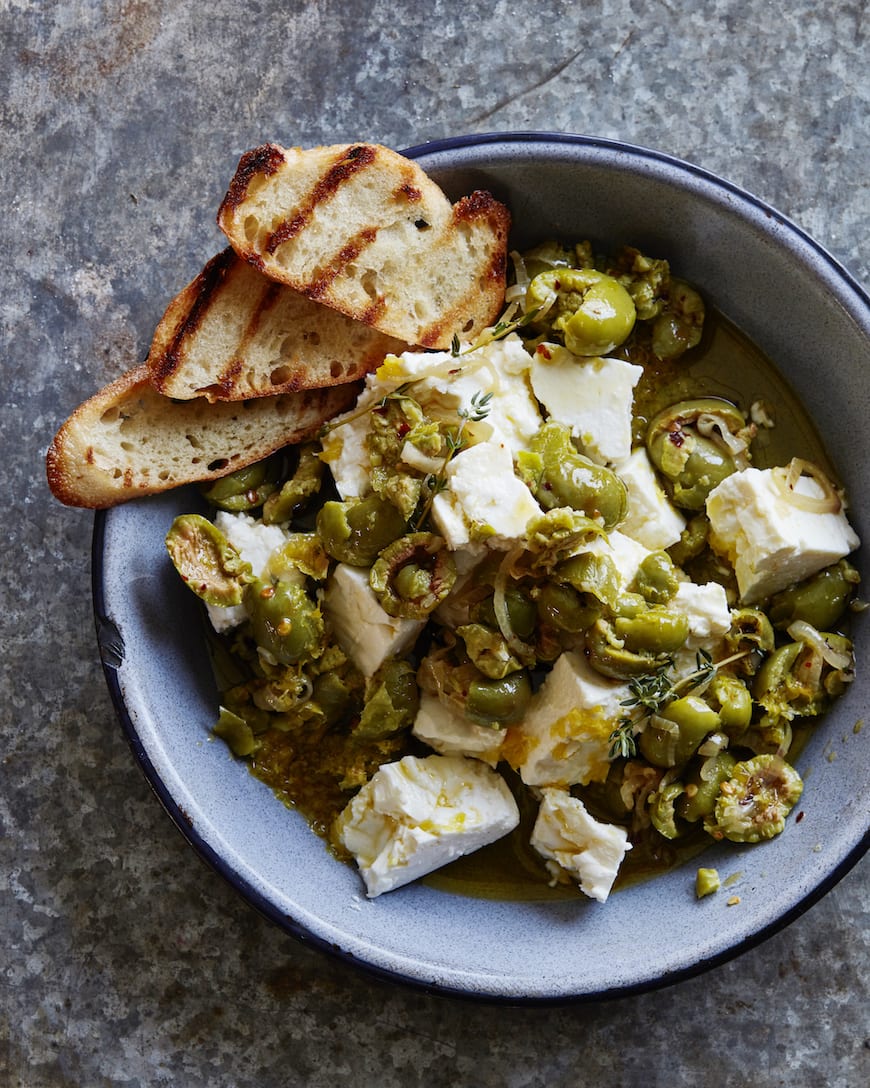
point(391, 704)
point(594, 576)
point(662, 812)
point(702, 785)
point(594, 312)
point(498, 702)
point(819, 601)
point(332, 696)
point(564, 608)
point(246, 488)
point(207, 562)
point(680, 326)
point(752, 635)
point(608, 654)
point(691, 463)
point(521, 609)
point(356, 532)
point(654, 631)
point(693, 540)
point(488, 649)
point(413, 575)
point(568, 479)
point(285, 622)
point(548, 255)
point(732, 701)
point(305, 482)
point(656, 578)
point(665, 746)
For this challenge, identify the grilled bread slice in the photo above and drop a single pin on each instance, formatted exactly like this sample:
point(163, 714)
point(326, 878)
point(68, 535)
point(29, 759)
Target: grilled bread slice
point(233, 334)
point(362, 229)
point(128, 440)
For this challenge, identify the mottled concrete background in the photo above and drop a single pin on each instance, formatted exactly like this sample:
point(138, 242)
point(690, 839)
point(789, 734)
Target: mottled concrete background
point(125, 960)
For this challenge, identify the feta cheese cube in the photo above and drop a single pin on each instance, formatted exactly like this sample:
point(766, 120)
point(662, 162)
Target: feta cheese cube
point(444, 382)
point(627, 554)
point(770, 541)
point(255, 542)
point(492, 500)
point(706, 608)
point(366, 633)
point(415, 815)
point(565, 736)
point(345, 453)
point(652, 520)
point(450, 733)
point(592, 396)
point(588, 851)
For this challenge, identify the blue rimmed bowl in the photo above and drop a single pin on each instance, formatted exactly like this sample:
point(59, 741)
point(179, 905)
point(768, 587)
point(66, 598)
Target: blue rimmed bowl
point(812, 320)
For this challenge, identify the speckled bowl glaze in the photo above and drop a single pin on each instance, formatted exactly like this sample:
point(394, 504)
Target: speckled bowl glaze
point(813, 321)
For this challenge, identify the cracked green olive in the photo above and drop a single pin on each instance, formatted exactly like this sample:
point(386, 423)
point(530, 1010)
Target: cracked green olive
point(654, 631)
point(565, 609)
point(413, 575)
point(593, 311)
point(663, 810)
point(685, 445)
point(732, 701)
point(676, 732)
point(206, 561)
point(356, 532)
point(246, 488)
point(498, 702)
point(285, 622)
point(702, 785)
point(819, 601)
point(609, 655)
point(565, 477)
point(656, 578)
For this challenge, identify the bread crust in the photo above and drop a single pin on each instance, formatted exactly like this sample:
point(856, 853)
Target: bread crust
point(128, 440)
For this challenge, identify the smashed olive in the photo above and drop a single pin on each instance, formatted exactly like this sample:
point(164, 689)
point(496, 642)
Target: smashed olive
point(356, 532)
point(593, 311)
point(413, 575)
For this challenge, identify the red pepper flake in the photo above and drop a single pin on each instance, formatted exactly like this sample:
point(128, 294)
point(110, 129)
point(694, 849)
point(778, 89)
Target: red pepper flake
point(545, 351)
point(677, 438)
point(403, 429)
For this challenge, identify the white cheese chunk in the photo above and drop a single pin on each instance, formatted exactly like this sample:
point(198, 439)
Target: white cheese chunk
point(573, 843)
point(415, 815)
point(564, 737)
point(443, 383)
point(627, 554)
point(592, 396)
point(345, 453)
point(652, 520)
point(366, 633)
point(706, 608)
point(255, 542)
point(493, 501)
point(450, 733)
point(770, 541)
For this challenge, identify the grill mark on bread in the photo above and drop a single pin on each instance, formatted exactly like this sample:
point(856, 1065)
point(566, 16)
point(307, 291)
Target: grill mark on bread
point(345, 256)
point(205, 289)
point(357, 158)
point(266, 159)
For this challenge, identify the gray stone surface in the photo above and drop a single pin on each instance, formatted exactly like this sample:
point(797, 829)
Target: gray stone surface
point(125, 961)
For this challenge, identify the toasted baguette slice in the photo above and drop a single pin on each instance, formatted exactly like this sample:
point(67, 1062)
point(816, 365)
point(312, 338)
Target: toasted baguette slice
point(128, 440)
point(233, 334)
point(362, 229)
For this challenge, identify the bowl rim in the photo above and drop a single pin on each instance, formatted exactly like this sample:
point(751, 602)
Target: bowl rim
point(108, 636)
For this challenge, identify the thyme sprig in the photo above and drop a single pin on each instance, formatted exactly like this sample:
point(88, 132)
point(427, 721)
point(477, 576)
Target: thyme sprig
point(653, 692)
point(506, 324)
point(377, 405)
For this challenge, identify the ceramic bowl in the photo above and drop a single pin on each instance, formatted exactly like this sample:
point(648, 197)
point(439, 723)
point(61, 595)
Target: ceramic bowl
point(813, 321)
